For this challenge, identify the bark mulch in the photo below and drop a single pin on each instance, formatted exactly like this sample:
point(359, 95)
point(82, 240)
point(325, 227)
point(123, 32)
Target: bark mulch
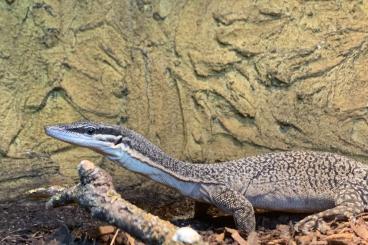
point(28, 222)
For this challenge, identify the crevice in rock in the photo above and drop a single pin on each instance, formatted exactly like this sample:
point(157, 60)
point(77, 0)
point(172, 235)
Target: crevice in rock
point(54, 92)
point(180, 101)
point(13, 139)
point(285, 127)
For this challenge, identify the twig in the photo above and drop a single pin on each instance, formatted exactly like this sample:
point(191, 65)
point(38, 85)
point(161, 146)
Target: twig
point(114, 237)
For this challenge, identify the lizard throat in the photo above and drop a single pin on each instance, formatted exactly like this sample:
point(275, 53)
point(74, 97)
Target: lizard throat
point(139, 163)
point(135, 161)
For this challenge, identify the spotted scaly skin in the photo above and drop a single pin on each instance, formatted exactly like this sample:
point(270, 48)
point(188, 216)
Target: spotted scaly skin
point(296, 181)
point(290, 181)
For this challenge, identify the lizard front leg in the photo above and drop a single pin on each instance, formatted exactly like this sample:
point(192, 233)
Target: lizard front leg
point(235, 203)
point(348, 204)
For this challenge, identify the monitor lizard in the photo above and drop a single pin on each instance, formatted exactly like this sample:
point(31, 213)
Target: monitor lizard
point(291, 181)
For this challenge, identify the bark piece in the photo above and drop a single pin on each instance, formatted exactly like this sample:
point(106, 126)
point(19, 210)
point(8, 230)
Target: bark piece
point(360, 228)
point(105, 229)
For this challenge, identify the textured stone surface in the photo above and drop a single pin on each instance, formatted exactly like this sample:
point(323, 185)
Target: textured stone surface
point(205, 80)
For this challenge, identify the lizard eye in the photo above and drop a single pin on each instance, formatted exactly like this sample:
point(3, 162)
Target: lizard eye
point(90, 131)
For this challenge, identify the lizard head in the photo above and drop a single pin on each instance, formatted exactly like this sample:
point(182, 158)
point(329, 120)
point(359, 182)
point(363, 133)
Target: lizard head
point(99, 137)
point(115, 142)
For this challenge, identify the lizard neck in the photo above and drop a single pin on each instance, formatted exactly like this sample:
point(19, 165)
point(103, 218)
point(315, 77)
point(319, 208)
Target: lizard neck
point(158, 166)
point(168, 171)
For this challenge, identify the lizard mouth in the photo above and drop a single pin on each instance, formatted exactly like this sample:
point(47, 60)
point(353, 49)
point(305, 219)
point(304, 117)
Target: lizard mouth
point(119, 140)
point(70, 137)
point(103, 144)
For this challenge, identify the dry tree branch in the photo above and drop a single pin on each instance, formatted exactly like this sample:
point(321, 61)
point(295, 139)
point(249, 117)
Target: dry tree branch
point(96, 193)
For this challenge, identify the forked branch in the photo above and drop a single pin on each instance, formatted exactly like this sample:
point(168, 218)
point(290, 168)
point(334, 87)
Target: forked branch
point(96, 193)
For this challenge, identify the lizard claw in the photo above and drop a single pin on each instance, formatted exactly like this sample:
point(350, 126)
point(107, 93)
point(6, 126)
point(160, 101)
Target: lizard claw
point(307, 224)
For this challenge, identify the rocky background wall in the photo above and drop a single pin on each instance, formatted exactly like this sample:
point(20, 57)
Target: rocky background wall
point(204, 80)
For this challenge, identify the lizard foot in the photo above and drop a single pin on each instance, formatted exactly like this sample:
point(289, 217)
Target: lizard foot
point(308, 224)
point(316, 222)
point(348, 204)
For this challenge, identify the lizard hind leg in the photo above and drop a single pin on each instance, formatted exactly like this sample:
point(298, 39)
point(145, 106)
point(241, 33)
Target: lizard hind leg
point(235, 203)
point(348, 204)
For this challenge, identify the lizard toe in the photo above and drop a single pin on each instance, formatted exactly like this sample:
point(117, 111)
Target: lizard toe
point(307, 224)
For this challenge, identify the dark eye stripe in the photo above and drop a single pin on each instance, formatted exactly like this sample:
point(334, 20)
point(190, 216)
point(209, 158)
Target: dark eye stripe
point(94, 130)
